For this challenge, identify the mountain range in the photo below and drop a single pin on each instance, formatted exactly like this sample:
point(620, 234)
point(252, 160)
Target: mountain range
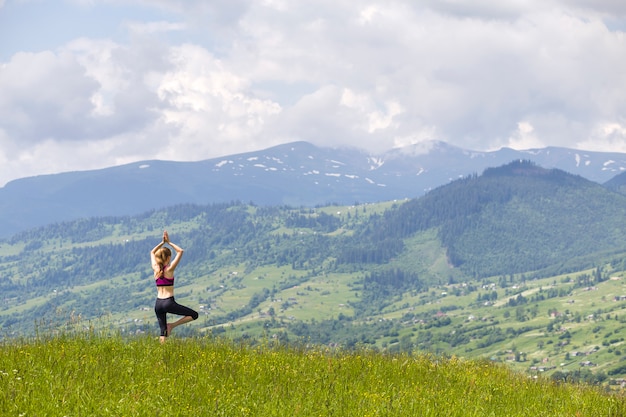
point(294, 174)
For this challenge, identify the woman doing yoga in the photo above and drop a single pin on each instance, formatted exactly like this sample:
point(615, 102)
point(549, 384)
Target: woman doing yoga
point(163, 267)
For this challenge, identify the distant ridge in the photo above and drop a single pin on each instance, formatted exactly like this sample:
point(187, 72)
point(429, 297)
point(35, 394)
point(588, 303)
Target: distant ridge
point(297, 174)
point(617, 183)
point(518, 218)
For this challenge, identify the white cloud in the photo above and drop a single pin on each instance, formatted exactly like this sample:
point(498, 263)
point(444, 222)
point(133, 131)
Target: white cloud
point(203, 79)
point(524, 137)
point(609, 136)
point(44, 95)
point(210, 106)
point(606, 8)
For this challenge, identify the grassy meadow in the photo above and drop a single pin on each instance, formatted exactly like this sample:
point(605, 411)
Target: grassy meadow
point(531, 325)
point(86, 374)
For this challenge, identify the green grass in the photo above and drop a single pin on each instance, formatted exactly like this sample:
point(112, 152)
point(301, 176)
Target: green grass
point(91, 375)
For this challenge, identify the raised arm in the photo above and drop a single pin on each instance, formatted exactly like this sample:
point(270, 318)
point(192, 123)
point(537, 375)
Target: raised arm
point(178, 249)
point(153, 254)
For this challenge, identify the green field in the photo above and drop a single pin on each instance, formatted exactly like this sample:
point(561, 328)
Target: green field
point(91, 374)
point(555, 334)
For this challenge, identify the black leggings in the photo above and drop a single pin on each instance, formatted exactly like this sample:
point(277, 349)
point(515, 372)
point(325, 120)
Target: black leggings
point(168, 305)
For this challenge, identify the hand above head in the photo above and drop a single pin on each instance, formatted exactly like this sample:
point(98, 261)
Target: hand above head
point(166, 237)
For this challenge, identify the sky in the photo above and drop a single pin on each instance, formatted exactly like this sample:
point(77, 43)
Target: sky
point(88, 84)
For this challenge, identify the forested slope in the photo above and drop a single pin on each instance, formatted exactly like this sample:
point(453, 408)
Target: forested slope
point(512, 220)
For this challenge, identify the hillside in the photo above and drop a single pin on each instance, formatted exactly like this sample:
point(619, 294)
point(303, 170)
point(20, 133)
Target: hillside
point(617, 183)
point(517, 218)
point(423, 274)
point(61, 376)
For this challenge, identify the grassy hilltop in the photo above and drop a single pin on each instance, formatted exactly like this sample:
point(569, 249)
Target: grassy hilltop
point(85, 374)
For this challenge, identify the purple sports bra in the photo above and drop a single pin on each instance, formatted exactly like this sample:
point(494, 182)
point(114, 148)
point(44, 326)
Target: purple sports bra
point(163, 281)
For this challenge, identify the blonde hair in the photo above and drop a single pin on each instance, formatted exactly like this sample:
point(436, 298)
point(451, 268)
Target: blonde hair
point(161, 256)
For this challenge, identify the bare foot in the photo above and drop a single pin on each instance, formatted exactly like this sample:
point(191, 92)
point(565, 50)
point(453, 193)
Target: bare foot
point(169, 329)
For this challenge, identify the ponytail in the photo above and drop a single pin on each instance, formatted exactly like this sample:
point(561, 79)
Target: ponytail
point(161, 256)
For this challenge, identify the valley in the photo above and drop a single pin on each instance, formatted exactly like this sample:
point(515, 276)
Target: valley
point(400, 276)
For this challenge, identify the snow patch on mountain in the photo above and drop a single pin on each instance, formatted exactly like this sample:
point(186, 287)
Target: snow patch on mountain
point(222, 163)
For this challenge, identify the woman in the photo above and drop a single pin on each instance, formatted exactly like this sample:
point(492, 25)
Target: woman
point(164, 279)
